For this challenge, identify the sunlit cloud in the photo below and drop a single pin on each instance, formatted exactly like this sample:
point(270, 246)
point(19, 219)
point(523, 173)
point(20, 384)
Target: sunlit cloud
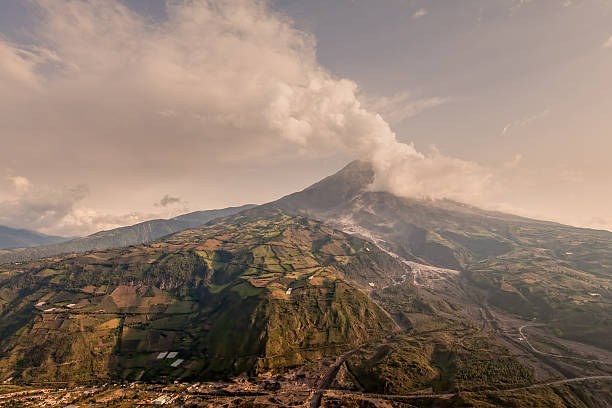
point(419, 13)
point(61, 210)
point(112, 84)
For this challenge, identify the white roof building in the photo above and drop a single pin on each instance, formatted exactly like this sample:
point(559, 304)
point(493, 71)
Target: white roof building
point(177, 362)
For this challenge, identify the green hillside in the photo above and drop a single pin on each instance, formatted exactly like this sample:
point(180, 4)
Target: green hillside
point(247, 294)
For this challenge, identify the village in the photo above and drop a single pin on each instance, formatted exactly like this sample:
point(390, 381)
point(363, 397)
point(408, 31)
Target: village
point(294, 388)
point(232, 394)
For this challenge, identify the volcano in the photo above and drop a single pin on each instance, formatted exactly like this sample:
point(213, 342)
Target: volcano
point(335, 287)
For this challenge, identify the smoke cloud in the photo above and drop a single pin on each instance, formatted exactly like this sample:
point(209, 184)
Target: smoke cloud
point(217, 82)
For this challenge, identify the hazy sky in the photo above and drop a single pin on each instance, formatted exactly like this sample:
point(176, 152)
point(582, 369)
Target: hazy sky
point(114, 112)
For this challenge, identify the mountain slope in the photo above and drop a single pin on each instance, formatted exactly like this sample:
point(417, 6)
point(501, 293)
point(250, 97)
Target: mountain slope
point(21, 238)
point(121, 237)
point(249, 293)
point(443, 233)
point(531, 268)
point(273, 294)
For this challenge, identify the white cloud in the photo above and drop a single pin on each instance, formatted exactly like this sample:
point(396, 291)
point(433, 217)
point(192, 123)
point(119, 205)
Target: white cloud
point(608, 43)
point(216, 83)
point(61, 210)
point(83, 220)
point(22, 184)
point(524, 121)
point(529, 119)
point(401, 106)
point(39, 208)
point(16, 68)
point(419, 13)
point(506, 128)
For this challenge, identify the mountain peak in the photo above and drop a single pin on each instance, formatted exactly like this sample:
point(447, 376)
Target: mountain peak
point(333, 190)
point(353, 177)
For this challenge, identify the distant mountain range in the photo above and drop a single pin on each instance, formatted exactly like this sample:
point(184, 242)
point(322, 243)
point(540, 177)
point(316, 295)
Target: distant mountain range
point(22, 238)
point(119, 237)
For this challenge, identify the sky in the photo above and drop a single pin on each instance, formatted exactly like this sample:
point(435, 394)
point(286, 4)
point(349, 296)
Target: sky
point(114, 112)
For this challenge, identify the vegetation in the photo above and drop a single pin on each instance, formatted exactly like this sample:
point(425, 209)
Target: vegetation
point(437, 359)
point(557, 274)
point(217, 296)
point(267, 292)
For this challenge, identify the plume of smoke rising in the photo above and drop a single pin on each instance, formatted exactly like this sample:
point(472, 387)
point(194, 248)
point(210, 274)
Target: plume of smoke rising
point(227, 78)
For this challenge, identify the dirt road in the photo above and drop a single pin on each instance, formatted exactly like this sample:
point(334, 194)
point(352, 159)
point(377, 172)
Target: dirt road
point(315, 399)
point(553, 354)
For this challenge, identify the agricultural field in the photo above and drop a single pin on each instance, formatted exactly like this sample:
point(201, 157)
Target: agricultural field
point(248, 296)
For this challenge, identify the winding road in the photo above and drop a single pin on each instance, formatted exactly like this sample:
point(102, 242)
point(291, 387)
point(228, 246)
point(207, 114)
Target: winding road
point(553, 354)
point(315, 399)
